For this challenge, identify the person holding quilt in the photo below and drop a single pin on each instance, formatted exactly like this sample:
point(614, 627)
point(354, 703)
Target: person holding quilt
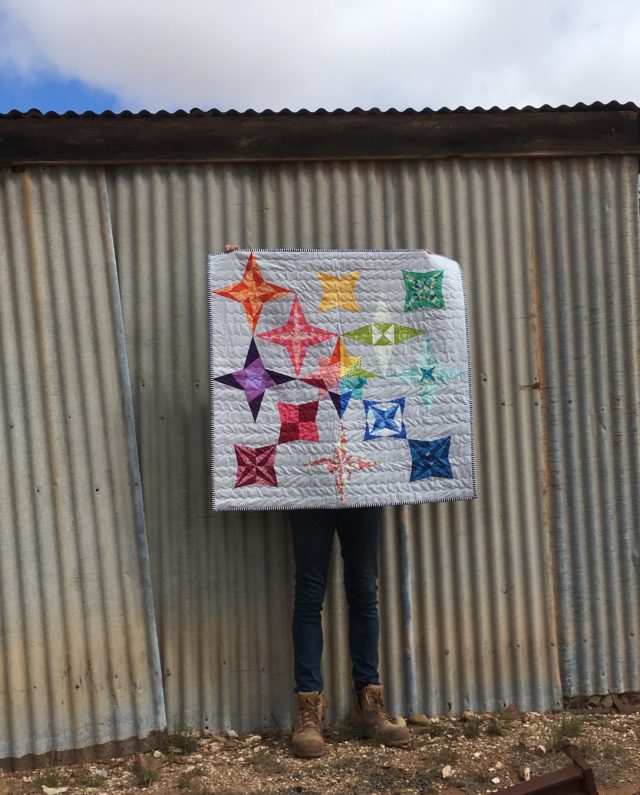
point(312, 532)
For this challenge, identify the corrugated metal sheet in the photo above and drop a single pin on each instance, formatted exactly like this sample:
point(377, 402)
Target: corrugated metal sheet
point(34, 113)
point(586, 258)
point(79, 661)
point(468, 590)
point(528, 592)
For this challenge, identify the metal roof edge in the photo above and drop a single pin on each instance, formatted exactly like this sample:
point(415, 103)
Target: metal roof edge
point(196, 112)
point(34, 138)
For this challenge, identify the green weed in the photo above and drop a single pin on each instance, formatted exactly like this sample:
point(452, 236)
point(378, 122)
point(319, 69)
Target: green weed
point(48, 777)
point(471, 728)
point(145, 774)
point(495, 728)
point(186, 740)
point(571, 726)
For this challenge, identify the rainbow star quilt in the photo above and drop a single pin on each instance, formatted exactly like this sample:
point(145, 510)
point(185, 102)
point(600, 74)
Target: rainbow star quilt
point(338, 379)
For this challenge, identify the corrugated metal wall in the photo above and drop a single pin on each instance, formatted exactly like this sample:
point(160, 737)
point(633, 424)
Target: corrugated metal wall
point(528, 592)
point(478, 578)
point(586, 260)
point(79, 663)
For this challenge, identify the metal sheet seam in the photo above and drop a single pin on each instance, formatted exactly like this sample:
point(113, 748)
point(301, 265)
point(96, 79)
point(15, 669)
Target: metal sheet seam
point(132, 450)
point(542, 383)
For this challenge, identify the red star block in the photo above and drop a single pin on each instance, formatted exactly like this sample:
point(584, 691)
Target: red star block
point(252, 291)
point(297, 335)
point(298, 422)
point(256, 465)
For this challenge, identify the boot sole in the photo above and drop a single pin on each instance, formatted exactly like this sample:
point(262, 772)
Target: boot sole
point(309, 756)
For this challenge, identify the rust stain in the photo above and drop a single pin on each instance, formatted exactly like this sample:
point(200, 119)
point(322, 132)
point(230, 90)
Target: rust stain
point(539, 385)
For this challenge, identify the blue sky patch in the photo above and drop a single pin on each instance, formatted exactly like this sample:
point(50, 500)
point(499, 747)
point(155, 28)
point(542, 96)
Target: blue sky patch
point(47, 93)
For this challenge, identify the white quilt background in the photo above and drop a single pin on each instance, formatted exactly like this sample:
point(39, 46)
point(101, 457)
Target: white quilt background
point(403, 397)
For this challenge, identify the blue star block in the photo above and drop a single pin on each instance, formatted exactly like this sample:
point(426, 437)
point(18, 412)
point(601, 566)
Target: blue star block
point(384, 419)
point(430, 459)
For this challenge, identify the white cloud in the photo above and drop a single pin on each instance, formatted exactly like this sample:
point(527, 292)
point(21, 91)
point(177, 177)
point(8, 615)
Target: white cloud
point(338, 53)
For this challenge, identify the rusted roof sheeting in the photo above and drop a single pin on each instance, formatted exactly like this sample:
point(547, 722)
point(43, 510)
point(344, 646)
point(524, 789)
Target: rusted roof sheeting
point(79, 664)
point(33, 138)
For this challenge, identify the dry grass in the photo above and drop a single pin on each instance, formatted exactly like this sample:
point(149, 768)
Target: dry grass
point(493, 748)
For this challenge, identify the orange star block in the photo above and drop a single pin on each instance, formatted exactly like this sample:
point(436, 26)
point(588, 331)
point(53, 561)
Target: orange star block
point(252, 291)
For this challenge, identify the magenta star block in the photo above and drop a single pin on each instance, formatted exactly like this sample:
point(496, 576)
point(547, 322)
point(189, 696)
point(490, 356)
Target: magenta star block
point(297, 336)
point(256, 465)
point(254, 379)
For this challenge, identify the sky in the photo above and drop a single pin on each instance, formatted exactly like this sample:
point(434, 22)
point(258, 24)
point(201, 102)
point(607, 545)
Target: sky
point(161, 54)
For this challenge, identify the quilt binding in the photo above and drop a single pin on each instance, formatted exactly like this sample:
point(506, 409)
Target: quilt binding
point(395, 503)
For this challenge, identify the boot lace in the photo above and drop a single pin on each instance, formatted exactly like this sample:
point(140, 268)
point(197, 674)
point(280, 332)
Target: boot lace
point(378, 701)
point(309, 718)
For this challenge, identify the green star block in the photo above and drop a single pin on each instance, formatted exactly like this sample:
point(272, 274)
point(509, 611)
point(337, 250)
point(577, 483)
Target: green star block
point(380, 334)
point(424, 290)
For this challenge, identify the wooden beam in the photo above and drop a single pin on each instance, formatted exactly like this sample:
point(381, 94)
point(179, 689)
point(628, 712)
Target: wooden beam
point(209, 138)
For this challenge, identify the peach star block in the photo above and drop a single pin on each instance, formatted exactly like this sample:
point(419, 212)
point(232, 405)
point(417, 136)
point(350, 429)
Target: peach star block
point(252, 291)
point(338, 291)
point(342, 464)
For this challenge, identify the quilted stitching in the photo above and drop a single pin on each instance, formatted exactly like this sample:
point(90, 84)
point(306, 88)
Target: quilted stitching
point(339, 378)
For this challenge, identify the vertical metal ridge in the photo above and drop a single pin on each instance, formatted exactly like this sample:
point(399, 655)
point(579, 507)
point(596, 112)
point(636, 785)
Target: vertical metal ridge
point(587, 225)
point(76, 663)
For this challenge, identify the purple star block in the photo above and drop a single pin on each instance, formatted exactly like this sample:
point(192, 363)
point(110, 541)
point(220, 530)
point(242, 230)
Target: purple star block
point(254, 379)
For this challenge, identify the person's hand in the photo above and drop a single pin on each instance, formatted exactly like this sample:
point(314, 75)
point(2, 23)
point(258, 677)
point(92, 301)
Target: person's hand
point(229, 247)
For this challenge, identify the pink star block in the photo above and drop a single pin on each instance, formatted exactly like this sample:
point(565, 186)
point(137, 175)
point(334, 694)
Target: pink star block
point(298, 422)
point(342, 464)
point(297, 336)
point(256, 465)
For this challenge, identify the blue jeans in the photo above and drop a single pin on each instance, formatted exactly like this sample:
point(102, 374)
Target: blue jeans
point(359, 534)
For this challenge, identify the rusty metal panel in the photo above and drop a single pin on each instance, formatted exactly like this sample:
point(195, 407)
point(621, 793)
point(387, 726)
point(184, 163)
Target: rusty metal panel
point(79, 663)
point(586, 257)
point(467, 597)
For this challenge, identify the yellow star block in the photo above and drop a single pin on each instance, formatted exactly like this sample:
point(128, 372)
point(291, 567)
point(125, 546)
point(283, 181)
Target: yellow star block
point(347, 362)
point(338, 291)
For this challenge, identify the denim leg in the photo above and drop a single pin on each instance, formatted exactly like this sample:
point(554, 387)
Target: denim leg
point(359, 533)
point(312, 532)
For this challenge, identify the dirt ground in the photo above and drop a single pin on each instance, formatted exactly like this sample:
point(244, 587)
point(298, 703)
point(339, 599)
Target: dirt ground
point(471, 754)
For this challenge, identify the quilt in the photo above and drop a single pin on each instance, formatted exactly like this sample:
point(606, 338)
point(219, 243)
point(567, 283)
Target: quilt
point(338, 379)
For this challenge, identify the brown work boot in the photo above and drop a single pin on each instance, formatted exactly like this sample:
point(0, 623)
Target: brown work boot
point(306, 740)
point(374, 721)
